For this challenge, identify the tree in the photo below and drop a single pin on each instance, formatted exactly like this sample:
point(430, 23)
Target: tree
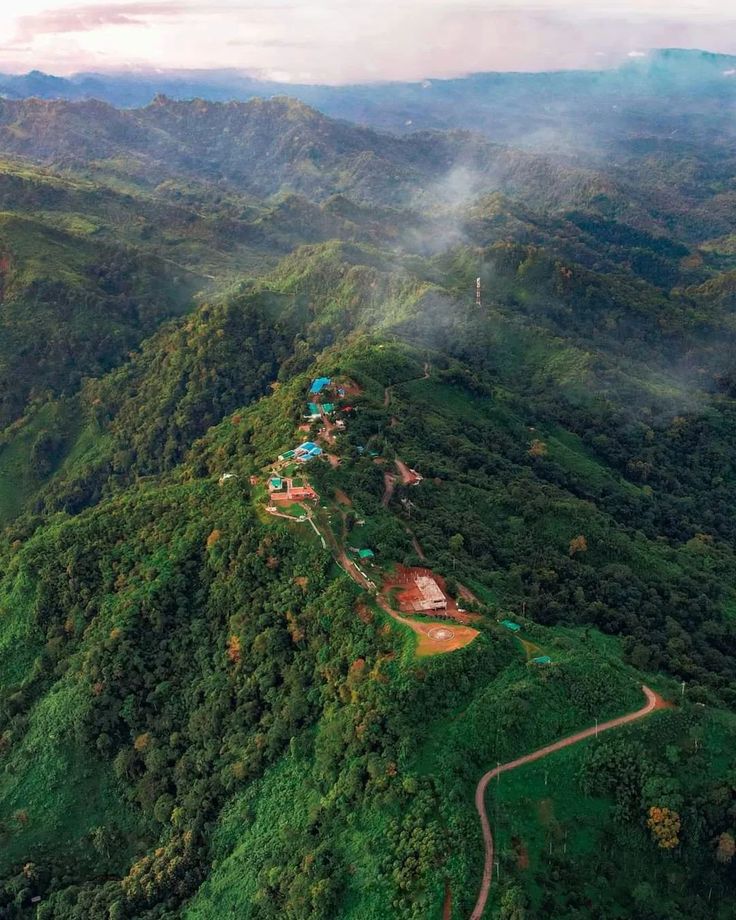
point(578, 545)
point(513, 905)
point(726, 848)
point(538, 448)
point(664, 823)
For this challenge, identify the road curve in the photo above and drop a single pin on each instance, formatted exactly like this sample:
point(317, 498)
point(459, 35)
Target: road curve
point(654, 701)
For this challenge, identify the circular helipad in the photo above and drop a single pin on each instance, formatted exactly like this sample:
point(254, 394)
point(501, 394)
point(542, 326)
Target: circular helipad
point(440, 634)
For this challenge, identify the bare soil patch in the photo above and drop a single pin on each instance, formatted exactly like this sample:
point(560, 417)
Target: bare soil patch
point(408, 477)
point(403, 577)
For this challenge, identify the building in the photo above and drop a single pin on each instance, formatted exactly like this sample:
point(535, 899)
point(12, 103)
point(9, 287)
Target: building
point(284, 490)
point(302, 493)
point(319, 384)
point(422, 593)
point(313, 411)
point(307, 451)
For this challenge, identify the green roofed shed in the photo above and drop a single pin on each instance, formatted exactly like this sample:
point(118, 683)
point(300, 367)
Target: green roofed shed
point(509, 624)
point(328, 407)
point(542, 659)
point(366, 553)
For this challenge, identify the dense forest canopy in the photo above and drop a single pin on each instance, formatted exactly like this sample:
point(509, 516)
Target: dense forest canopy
point(214, 700)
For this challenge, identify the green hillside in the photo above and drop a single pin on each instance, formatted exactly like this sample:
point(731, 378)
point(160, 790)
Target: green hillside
point(299, 539)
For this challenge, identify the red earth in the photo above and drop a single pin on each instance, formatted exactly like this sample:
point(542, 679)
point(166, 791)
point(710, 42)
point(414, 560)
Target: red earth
point(403, 577)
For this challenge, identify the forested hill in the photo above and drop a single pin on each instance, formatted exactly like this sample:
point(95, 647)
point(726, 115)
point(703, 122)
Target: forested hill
point(263, 147)
point(663, 91)
point(217, 697)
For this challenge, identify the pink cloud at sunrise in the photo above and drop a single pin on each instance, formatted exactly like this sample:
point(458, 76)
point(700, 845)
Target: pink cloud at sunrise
point(335, 41)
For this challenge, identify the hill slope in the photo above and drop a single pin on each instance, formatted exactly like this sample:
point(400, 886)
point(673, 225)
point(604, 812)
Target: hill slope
point(289, 561)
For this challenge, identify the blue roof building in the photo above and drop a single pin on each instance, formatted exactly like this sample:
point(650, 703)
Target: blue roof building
point(307, 451)
point(319, 384)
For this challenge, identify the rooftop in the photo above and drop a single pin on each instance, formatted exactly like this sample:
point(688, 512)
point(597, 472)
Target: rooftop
point(319, 384)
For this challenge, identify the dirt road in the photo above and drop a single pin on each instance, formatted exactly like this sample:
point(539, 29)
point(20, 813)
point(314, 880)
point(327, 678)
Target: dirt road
point(654, 701)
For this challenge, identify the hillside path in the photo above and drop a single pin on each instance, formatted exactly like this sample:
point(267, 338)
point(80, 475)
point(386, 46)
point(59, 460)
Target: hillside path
point(654, 701)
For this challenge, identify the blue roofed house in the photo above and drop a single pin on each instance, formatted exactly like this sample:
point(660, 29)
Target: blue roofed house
point(307, 451)
point(319, 384)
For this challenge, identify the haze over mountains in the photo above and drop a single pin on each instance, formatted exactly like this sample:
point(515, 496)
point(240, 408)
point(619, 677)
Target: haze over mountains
point(666, 85)
point(212, 701)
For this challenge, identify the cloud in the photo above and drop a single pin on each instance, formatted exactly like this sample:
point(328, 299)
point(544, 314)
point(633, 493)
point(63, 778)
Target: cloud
point(339, 41)
point(89, 18)
point(266, 43)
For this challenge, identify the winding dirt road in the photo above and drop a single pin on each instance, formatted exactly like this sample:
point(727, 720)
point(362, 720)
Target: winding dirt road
point(654, 701)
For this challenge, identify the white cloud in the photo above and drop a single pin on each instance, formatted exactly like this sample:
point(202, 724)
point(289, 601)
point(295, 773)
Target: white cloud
point(355, 40)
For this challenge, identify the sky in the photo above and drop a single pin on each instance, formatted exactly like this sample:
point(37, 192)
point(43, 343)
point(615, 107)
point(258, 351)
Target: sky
point(342, 41)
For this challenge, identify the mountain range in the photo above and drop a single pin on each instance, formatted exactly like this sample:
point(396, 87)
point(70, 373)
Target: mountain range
point(665, 86)
point(265, 374)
